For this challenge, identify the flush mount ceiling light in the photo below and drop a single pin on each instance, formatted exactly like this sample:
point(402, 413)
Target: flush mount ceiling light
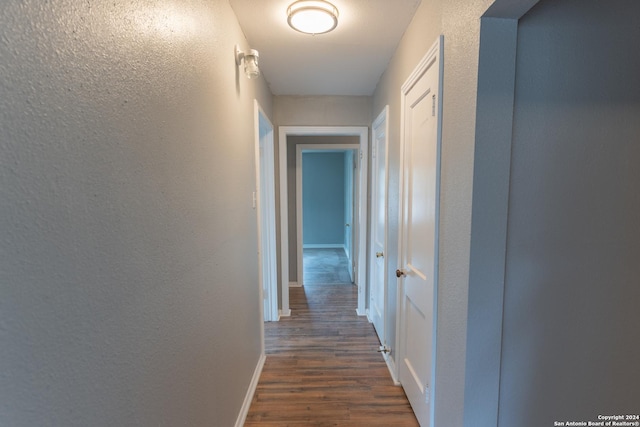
point(312, 16)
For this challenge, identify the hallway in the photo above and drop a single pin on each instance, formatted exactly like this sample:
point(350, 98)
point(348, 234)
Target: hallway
point(322, 367)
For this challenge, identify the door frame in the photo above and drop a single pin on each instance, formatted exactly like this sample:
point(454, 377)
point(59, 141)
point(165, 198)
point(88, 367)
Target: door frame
point(490, 208)
point(300, 148)
point(435, 52)
point(363, 133)
point(266, 214)
point(351, 179)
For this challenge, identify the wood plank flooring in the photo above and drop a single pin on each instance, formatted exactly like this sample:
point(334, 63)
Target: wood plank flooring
point(323, 368)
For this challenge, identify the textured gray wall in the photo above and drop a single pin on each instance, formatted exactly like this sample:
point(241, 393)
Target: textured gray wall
point(459, 21)
point(330, 110)
point(128, 275)
point(492, 161)
point(570, 348)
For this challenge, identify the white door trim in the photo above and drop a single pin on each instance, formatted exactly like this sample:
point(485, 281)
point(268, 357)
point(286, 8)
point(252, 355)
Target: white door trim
point(325, 148)
point(266, 213)
point(434, 53)
point(363, 133)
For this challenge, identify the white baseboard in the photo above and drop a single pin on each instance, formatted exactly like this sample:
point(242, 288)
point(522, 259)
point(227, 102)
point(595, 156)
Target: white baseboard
point(323, 246)
point(369, 318)
point(242, 417)
point(294, 285)
point(361, 313)
point(392, 368)
point(284, 314)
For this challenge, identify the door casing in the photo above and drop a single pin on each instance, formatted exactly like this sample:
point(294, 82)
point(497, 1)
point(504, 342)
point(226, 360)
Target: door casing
point(266, 212)
point(306, 148)
point(363, 133)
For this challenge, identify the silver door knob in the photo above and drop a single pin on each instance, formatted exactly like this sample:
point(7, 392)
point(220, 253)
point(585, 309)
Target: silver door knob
point(400, 273)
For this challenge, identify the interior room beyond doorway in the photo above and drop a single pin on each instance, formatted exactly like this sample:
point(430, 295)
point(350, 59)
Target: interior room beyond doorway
point(328, 195)
point(292, 140)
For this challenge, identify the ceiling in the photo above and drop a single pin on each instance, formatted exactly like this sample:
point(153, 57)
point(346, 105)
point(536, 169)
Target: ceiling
point(347, 61)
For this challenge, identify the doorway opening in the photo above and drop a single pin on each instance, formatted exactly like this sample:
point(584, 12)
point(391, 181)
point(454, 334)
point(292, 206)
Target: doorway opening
point(326, 191)
point(291, 248)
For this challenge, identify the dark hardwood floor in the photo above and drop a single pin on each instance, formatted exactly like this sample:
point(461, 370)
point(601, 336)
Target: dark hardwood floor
point(323, 368)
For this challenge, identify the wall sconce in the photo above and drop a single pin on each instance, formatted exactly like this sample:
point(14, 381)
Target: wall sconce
point(312, 16)
point(250, 59)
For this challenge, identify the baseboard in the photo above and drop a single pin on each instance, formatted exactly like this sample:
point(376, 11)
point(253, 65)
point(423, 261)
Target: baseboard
point(392, 368)
point(242, 417)
point(323, 246)
point(294, 285)
point(283, 314)
point(361, 313)
point(369, 318)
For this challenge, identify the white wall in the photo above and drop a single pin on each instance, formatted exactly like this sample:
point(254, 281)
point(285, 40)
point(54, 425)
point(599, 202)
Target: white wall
point(128, 279)
point(569, 349)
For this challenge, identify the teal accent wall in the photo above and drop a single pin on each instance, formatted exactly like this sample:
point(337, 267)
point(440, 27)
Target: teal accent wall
point(323, 198)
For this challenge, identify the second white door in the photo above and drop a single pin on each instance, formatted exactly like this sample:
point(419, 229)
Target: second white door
point(418, 236)
point(377, 257)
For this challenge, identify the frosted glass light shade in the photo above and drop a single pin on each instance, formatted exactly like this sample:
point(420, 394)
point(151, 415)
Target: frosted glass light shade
point(251, 69)
point(312, 16)
point(250, 59)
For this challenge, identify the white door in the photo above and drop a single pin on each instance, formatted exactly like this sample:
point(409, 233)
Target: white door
point(377, 259)
point(418, 236)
